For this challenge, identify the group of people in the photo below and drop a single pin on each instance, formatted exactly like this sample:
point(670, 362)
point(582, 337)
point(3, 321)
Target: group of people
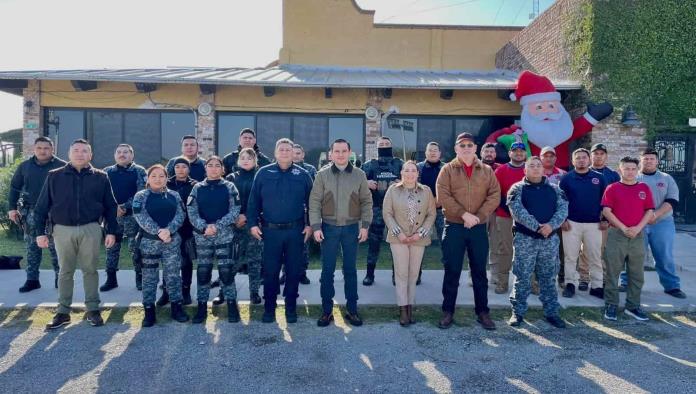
point(252, 215)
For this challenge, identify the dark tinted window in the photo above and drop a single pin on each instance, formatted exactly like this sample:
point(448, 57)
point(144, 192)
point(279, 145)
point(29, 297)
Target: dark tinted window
point(69, 125)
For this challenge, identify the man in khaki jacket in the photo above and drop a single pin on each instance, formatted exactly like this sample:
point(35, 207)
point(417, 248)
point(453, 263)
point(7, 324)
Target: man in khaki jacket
point(340, 213)
point(469, 192)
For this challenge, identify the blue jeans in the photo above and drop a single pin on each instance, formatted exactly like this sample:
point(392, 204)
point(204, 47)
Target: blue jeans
point(347, 238)
point(660, 238)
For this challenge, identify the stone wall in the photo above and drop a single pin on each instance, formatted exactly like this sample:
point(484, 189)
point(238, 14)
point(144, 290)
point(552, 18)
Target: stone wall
point(33, 122)
point(205, 132)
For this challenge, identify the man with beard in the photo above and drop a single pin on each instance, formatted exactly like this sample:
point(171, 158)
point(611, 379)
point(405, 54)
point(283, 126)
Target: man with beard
point(381, 173)
point(544, 121)
point(501, 237)
point(488, 155)
point(247, 139)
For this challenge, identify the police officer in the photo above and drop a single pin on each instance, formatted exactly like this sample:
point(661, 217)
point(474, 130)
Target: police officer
point(381, 173)
point(247, 249)
point(25, 188)
point(189, 151)
point(280, 197)
point(298, 155)
point(159, 212)
point(182, 183)
point(127, 178)
point(538, 208)
point(213, 207)
point(247, 139)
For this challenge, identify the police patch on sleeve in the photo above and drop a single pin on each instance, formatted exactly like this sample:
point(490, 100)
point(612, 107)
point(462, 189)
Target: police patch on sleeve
point(137, 206)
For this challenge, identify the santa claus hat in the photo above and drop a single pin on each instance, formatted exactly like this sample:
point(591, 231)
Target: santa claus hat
point(533, 87)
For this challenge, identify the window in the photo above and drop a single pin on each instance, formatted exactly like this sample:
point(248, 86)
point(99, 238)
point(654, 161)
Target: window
point(228, 129)
point(271, 128)
point(404, 136)
point(351, 129)
point(63, 127)
point(174, 126)
point(142, 131)
point(312, 133)
point(104, 132)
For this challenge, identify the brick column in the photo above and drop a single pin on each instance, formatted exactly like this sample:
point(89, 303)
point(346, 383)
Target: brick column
point(620, 140)
point(206, 128)
point(33, 122)
point(372, 127)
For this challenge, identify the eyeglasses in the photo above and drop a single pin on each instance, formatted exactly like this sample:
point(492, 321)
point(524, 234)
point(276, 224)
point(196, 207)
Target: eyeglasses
point(469, 145)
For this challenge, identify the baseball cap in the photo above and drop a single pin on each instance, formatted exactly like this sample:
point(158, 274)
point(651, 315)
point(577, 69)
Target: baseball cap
point(547, 149)
point(518, 145)
point(598, 147)
point(465, 136)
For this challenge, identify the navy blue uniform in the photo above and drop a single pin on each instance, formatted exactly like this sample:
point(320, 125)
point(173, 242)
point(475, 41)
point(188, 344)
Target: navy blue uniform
point(610, 175)
point(280, 198)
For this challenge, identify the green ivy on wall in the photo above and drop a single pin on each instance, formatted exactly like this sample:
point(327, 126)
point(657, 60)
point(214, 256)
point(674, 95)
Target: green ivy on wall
point(640, 53)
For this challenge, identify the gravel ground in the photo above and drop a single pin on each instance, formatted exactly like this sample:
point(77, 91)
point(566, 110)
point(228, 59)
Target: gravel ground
point(590, 357)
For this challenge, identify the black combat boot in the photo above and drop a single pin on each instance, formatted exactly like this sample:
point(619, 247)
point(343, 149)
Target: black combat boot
point(150, 316)
point(178, 313)
point(111, 281)
point(164, 298)
point(30, 285)
point(201, 313)
point(232, 311)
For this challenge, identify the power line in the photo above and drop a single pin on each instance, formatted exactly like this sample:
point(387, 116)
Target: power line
point(435, 8)
point(498, 12)
point(522, 4)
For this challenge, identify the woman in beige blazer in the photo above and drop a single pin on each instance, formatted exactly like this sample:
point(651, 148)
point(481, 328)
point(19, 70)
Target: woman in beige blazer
point(409, 213)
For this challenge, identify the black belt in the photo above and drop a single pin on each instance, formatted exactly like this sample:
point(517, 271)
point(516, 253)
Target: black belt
point(284, 226)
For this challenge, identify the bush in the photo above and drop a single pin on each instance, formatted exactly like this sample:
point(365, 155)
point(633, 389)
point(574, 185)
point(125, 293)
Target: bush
point(5, 178)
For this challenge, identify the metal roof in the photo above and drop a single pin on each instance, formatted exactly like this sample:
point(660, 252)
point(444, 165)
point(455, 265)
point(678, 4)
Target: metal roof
point(296, 76)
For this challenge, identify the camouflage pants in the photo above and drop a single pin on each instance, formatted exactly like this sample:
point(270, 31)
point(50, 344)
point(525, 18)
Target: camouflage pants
point(153, 251)
point(209, 249)
point(34, 252)
point(375, 236)
point(127, 227)
point(249, 250)
point(538, 256)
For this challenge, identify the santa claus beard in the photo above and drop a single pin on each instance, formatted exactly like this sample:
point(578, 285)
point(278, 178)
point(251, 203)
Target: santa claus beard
point(547, 129)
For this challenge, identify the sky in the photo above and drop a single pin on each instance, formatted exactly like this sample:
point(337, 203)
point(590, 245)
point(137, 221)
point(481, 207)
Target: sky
point(82, 34)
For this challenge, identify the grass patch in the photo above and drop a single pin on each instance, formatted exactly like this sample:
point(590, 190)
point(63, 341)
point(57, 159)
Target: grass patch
point(11, 246)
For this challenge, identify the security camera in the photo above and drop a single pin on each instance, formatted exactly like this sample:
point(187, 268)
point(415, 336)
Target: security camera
point(393, 109)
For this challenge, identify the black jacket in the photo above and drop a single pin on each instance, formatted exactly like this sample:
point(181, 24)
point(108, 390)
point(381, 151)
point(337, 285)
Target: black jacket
point(75, 198)
point(184, 189)
point(230, 160)
point(28, 180)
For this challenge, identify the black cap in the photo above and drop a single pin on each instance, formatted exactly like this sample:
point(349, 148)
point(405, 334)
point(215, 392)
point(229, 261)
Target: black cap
point(182, 160)
point(598, 147)
point(247, 130)
point(465, 136)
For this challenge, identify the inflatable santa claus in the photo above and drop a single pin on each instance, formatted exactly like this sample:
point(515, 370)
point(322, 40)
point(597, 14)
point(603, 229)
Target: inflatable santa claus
point(544, 121)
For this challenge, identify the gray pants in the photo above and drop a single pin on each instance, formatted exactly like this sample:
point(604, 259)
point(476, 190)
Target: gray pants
point(78, 245)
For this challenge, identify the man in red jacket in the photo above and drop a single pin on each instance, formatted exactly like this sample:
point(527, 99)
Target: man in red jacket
point(501, 232)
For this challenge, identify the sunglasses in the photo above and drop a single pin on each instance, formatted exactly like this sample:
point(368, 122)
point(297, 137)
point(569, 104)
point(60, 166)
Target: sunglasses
point(469, 145)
